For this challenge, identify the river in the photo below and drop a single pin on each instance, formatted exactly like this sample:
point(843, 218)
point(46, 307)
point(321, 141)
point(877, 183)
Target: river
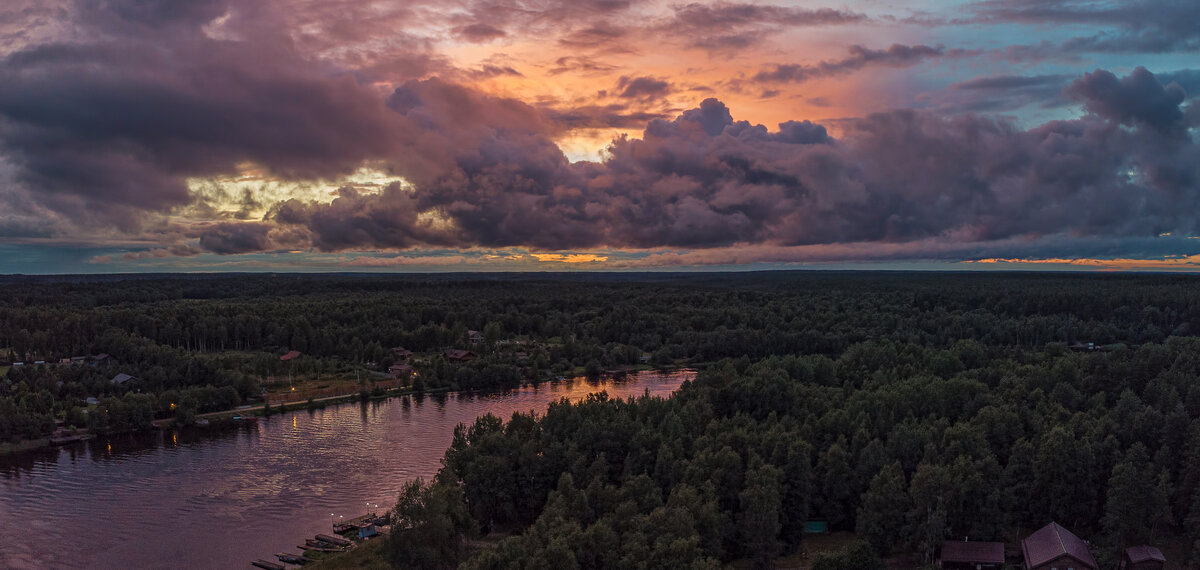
point(221, 498)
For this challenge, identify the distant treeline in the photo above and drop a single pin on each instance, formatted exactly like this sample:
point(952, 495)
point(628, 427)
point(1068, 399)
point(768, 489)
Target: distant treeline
point(200, 342)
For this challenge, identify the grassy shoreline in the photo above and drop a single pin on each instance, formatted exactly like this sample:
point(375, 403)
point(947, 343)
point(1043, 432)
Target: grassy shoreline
point(24, 445)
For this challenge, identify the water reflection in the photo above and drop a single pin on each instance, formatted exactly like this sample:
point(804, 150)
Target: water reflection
point(221, 496)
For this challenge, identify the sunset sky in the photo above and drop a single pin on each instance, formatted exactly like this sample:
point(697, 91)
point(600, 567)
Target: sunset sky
point(339, 135)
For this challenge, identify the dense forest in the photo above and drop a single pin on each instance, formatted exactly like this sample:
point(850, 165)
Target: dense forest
point(906, 407)
point(905, 444)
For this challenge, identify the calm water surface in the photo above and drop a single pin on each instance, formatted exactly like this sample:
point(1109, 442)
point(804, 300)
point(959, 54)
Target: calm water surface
point(219, 499)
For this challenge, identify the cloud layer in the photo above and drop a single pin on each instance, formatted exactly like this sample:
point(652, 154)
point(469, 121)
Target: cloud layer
point(118, 117)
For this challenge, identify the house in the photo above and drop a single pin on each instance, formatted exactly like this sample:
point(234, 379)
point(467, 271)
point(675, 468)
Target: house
point(458, 355)
point(101, 358)
point(1143, 558)
point(291, 355)
point(367, 530)
point(402, 353)
point(1056, 548)
point(122, 379)
point(475, 337)
point(1081, 346)
point(972, 556)
point(399, 370)
point(93, 401)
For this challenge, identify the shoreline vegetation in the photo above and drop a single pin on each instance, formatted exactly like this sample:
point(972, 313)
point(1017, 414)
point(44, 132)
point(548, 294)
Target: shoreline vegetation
point(228, 417)
point(903, 409)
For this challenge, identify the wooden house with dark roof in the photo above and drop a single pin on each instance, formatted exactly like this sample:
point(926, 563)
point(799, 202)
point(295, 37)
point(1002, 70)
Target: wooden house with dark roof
point(972, 556)
point(401, 371)
point(1143, 558)
point(458, 355)
point(1056, 548)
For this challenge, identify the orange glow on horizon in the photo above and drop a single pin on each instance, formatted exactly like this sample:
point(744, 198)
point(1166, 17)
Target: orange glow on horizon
point(1190, 262)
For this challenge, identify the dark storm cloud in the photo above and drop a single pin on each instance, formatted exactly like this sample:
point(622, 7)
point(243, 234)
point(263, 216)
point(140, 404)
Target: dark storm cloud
point(705, 180)
point(860, 57)
point(105, 130)
point(642, 87)
point(1188, 79)
point(1145, 26)
point(480, 33)
point(150, 14)
point(236, 237)
point(1138, 97)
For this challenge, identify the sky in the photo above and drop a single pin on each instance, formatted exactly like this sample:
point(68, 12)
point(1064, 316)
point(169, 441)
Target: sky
point(526, 135)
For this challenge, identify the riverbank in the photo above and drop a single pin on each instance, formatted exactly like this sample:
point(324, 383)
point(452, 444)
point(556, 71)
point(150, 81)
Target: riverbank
point(24, 445)
point(256, 487)
point(317, 403)
point(260, 410)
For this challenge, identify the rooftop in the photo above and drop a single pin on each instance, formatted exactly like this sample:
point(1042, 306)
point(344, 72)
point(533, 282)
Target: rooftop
point(973, 552)
point(1054, 541)
point(1139, 554)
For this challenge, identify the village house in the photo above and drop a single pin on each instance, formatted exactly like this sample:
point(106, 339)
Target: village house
point(122, 379)
point(1056, 548)
point(972, 556)
point(400, 371)
point(475, 337)
point(1142, 558)
point(458, 355)
point(401, 353)
point(291, 355)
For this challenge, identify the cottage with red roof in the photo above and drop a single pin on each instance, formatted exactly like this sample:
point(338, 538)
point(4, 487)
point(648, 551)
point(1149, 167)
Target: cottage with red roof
point(972, 556)
point(1056, 548)
point(1143, 558)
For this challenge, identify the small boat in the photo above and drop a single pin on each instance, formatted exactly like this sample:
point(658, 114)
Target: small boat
point(334, 540)
point(291, 558)
point(268, 565)
point(321, 549)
